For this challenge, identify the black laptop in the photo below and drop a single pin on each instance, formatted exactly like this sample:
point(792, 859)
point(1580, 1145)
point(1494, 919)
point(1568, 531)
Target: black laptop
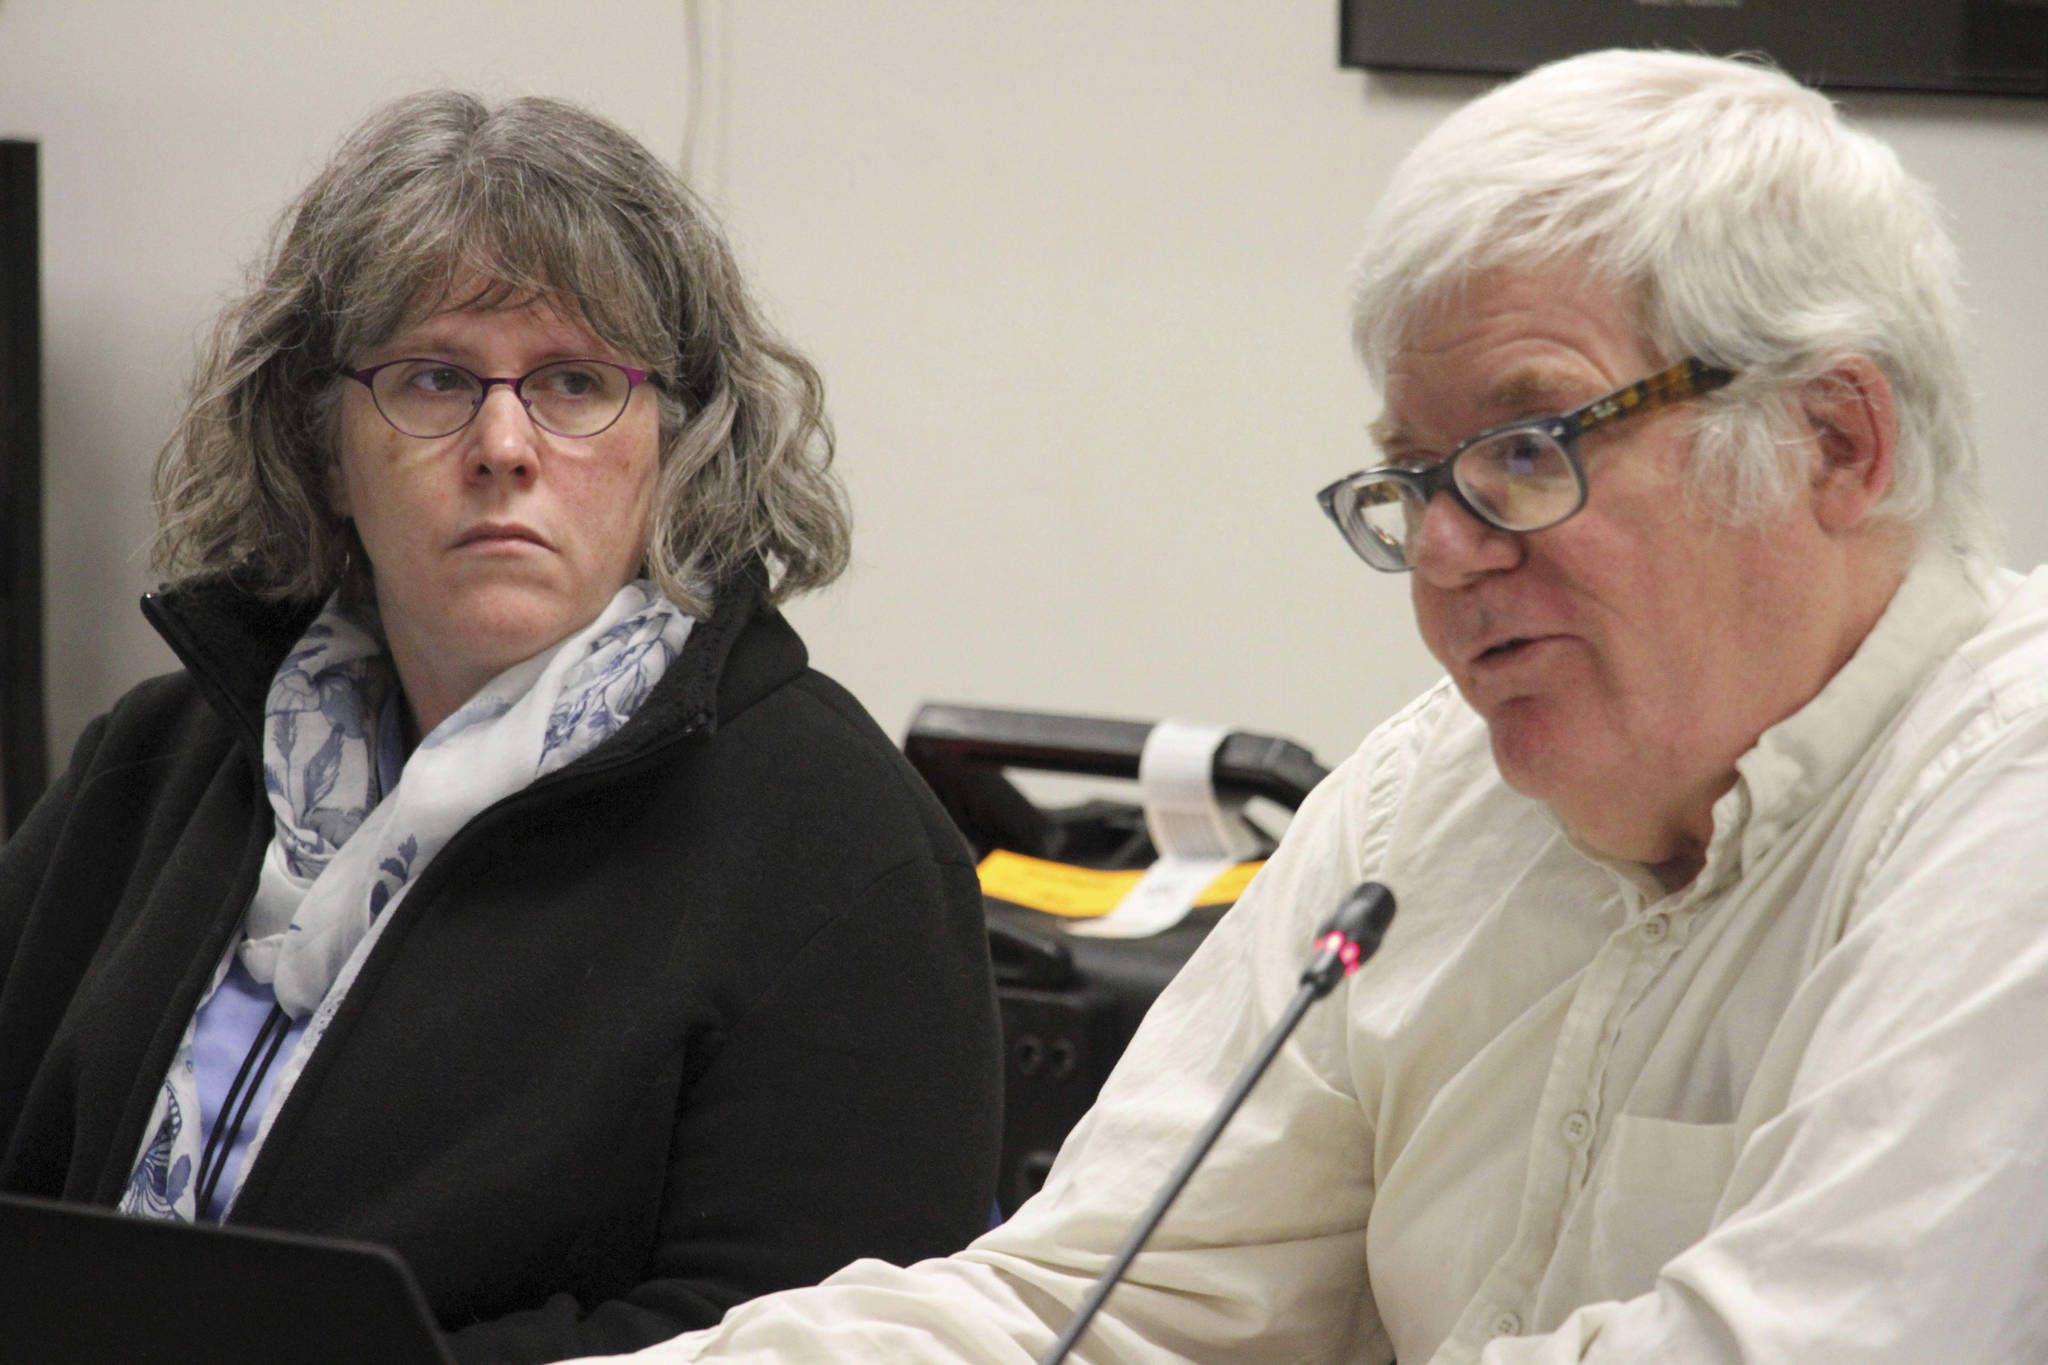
point(87, 1286)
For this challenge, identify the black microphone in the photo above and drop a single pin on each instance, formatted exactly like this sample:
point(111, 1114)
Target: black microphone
point(1343, 944)
point(1352, 935)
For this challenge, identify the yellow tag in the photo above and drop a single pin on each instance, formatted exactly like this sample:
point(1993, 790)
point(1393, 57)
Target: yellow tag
point(1084, 892)
point(1230, 885)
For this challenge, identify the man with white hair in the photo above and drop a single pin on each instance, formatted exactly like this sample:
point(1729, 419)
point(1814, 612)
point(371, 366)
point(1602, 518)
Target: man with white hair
point(1705, 1032)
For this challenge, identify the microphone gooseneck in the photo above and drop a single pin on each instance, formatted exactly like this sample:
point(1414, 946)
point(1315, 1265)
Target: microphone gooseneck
point(1351, 935)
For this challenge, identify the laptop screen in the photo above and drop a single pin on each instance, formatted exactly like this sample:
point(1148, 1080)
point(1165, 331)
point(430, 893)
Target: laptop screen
point(89, 1286)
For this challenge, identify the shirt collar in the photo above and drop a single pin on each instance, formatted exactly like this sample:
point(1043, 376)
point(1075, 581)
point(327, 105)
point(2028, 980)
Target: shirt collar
point(1794, 764)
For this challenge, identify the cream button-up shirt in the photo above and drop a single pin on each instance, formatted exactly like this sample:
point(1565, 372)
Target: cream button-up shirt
point(1795, 1112)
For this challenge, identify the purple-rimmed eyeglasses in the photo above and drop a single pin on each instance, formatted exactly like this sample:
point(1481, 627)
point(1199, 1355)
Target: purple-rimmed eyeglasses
point(1522, 476)
point(434, 398)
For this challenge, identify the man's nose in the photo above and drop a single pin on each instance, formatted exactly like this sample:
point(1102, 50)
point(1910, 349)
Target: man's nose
point(1450, 546)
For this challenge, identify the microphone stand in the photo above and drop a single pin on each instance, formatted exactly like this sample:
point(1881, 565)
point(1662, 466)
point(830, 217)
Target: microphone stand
point(1352, 935)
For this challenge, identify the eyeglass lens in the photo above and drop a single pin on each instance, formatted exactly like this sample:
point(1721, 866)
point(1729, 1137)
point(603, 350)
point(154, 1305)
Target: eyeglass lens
point(432, 398)
point(1519, 480)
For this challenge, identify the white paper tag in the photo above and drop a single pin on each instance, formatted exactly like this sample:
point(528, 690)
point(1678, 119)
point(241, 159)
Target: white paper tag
point(1179, 795)
point(1160, 899)
point(1195, 836)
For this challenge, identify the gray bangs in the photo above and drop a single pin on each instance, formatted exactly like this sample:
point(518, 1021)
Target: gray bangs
point(488, 231)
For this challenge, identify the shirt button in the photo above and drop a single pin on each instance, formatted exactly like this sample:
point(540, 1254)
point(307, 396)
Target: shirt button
point(1655, 928)
point(1577, 1128)
point(1506, 1324)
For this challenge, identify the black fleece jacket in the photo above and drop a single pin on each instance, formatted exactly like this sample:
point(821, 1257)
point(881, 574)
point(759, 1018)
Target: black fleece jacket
point(704, 1014)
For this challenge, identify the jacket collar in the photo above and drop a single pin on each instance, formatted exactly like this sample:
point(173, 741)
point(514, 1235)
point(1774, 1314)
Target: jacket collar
point(232, 640)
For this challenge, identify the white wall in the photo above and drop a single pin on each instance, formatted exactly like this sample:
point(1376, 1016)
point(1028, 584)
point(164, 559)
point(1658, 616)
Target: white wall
point(1073, 272)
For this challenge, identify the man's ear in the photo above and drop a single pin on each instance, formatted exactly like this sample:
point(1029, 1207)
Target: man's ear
point(1852, 417)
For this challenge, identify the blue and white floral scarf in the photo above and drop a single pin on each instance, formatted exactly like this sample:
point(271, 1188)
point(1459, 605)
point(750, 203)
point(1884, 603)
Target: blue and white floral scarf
point(341, 857)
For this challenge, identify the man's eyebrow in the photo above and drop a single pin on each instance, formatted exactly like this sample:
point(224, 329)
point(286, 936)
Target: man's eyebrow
point(1533, 389)
point(1386, 432)
point(1525, 392)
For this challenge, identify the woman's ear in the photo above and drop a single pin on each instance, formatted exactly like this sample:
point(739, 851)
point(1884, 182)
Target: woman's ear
point(1852, 418)
point(337, 489)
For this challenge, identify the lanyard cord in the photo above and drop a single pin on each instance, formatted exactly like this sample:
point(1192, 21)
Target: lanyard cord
point(221, 1141)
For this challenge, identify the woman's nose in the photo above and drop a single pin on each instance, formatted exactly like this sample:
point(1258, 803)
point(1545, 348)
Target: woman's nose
point(505, 441)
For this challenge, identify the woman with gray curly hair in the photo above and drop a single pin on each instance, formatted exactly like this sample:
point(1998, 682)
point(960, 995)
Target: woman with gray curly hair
point(497, 882)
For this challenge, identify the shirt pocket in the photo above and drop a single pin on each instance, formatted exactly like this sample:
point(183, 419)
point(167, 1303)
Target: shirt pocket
point(1654, 1192)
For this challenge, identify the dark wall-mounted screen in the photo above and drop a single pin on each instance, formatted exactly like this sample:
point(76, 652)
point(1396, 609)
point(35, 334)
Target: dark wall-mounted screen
point(23, 745)
point(1969, 46)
